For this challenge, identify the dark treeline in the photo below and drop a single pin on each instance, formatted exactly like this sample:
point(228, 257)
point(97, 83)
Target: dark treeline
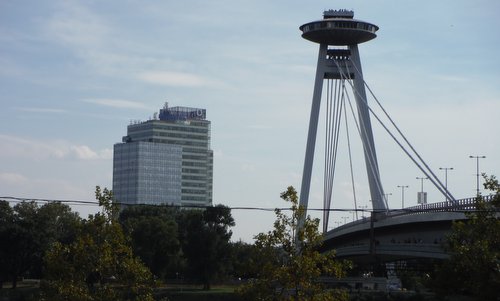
point(183, 245)
point(27, 231)
point(116, 254)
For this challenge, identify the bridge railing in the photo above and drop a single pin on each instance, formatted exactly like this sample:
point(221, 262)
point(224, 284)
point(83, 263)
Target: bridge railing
point(462, 205)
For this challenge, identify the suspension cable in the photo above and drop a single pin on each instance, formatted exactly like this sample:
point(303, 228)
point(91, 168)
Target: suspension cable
point(326, 196)
point(349, 151)
point(433, 179)
point(368, 150)
point(333, 125)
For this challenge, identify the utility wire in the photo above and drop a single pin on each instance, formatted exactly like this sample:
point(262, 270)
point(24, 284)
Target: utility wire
point(406, 210)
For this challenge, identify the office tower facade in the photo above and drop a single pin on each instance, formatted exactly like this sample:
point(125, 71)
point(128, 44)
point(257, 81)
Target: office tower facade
point(165, 160)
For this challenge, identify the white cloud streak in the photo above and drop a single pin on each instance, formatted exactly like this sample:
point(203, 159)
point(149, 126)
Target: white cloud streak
point(77, 27)
point(90, 37)
point(11, 178)
point(20, 185)
point(101, 45)
point(41, 110)
point(83, 152)
point(175, 79)
point(116, 103)
point(451, 78)
point(16, 147)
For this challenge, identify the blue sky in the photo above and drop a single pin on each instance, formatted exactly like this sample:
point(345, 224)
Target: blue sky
point(74, 73)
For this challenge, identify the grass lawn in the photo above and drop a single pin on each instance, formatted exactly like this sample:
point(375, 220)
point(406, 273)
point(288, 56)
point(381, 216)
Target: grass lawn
point(26, 290)
point(196, 293)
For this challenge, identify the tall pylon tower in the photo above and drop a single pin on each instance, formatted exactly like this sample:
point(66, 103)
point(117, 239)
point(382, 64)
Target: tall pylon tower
point(338, 35)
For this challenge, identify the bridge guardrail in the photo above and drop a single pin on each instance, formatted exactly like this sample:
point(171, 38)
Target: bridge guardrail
point(462, 205)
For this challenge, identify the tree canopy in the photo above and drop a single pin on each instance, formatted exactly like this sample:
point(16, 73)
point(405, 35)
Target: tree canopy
point(205, 238)
point(154, 236)
point(27, 231)
point(98, 264)
point(191, 243)
point(474, 244)
point(292, 264)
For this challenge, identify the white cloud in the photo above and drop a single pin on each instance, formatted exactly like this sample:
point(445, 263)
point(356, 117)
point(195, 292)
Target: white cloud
point(218, 153)
point(259, 127)
point(106, 153)
point(83, 152)
point(176, 79)
point(23, 148)
point(48, 187)
point(450, 78)
point(11, 69)
point(76, 26)
point(42, 110)
point(247, 167)
point(16, 147)
point(116, 103)
point(11, 178)
point(88, 36)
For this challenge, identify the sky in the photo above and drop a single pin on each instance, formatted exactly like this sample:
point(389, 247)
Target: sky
point(73, 74)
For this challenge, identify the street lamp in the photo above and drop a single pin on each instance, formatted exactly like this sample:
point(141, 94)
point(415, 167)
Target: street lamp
point(446, 180)
point(422, 182)
point(387, 198)
point(477, 170)
point(422, 199)
point(363, 207)
point(403, 195)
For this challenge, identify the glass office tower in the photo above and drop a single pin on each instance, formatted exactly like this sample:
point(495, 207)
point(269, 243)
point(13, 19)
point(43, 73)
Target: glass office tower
point(165, 160)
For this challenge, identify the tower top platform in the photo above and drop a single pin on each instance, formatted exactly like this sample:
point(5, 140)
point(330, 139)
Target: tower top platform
point(338, 28)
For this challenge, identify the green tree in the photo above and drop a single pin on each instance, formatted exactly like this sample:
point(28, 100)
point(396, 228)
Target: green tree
point(27, 231)
point(99, 264)
point(474, 246)
point(154, 235)
point(205, 239)
point(53, 222)
point(245, 260)
point(13, 241)
point(293, 263)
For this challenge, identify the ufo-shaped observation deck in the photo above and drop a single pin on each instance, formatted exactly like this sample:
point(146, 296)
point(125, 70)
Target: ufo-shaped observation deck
point(338, 28)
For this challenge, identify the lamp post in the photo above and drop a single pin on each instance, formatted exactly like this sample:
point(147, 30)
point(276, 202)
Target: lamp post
point(477, 170)
point(446, 180)
point(387, 198)
point(403, 195)
point(363, 207)
point(422, 182)
point(422, 199)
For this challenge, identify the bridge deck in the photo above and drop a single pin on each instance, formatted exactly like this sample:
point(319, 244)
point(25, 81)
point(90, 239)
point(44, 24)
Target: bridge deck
point(414, 232)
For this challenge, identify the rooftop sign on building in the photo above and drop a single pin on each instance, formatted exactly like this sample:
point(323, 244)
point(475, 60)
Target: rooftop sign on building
point(182, 113)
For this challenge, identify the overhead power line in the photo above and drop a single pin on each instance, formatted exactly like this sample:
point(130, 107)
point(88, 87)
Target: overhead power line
point(12, 199)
